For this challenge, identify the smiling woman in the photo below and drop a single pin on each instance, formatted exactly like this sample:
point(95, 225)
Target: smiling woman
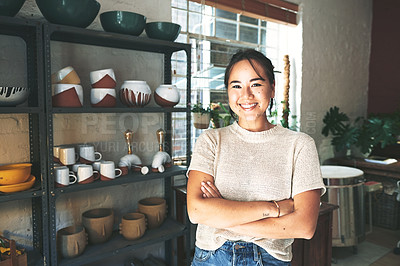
point(252, 186)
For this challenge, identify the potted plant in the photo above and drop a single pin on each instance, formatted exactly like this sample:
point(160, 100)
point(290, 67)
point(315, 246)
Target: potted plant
point(220, 116)
point(344, 134)
point(201, 116)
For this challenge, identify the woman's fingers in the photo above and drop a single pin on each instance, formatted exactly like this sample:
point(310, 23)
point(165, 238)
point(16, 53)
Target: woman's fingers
point(209, 190)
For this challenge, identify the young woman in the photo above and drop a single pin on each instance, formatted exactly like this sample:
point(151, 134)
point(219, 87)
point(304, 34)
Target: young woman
point(252, 186)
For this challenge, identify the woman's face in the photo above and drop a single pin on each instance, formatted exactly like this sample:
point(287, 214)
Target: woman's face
point(249, 94)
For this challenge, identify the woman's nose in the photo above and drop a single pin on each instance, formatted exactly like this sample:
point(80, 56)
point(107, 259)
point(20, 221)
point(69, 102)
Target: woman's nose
point(247, 92)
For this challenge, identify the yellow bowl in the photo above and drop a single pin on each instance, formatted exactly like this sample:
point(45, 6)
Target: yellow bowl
point(11, 174)
point(18, 187)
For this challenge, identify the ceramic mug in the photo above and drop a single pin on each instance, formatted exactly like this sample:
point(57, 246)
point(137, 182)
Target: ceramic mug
point(86, 174)
point(96, 165)
point(133, 225)
point(63, 176)
point(76, 166)
point(67, 156)
point(108, 171)
point(103, 78)
point(56, 154)
point(155, 210)
point(98, 224)
point(71, 241)
point(88, 155)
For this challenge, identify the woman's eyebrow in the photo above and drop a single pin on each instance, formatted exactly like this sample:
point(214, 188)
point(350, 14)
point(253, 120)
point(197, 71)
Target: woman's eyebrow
point(254, 79)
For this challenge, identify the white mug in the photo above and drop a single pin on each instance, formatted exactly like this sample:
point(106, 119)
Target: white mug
point(68, 155)
point(108, 171)
point(56, 153)
point(86, 174)
point(63, 176)
point(96, 165)
point(88, 155)
point(75, 167)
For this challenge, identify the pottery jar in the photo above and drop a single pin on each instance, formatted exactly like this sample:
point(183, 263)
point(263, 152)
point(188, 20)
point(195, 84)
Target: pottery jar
point(133, 225)
point(167, 95)
point(98, 224)
point(155, 210)
point(135, 93)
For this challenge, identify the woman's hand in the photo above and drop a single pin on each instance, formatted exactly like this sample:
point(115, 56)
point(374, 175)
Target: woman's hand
point(210, 190)
point(286, 206)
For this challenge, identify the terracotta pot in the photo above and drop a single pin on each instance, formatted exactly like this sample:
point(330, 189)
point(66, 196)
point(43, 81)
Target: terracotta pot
point(133, 225)
point(98, 224)
point(71, 241)
point(155, 210)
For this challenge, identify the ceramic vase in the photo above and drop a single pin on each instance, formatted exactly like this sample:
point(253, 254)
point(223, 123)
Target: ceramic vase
point(135, 93)
point(167, 95)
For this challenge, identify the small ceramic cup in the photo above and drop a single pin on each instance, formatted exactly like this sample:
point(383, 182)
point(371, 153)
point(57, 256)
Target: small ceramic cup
point(86, 174)
point(67, 75)
point(133, 225)
point(155, 210)
point(63, 176)
point(98, 224)
point(76, 166)
point(71, 241)
point(108, 171)
point(67, 156)
point(88, 155)
point(67, 95)
point(103, 78)
point(103, 97)
point(56, 154)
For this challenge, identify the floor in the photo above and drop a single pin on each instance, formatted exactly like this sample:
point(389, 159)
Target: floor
point(375, 250)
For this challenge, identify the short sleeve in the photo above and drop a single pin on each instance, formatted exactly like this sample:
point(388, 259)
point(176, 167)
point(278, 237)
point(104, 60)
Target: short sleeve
point(306, 169)
point(204, 152)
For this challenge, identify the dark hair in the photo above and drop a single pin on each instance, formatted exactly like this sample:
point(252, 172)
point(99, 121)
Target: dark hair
point(251, 55)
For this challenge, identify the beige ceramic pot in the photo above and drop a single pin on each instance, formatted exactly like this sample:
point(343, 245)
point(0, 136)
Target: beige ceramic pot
point(98, 224)
point(201, 121)
point(71, 241)
point(133, 225)
point(155, 210)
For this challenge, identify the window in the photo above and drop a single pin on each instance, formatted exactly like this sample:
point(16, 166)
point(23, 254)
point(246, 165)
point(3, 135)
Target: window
point(215, 35)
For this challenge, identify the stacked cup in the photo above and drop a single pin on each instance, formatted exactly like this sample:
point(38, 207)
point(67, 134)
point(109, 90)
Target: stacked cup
point(67, 91)
point(103, 88)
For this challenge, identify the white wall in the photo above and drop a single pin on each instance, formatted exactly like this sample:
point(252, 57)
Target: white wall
point(335, 62)
point(104, 131)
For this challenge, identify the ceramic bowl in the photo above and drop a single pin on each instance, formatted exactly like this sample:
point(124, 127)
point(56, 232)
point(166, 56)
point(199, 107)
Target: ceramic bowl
point(71, 241)
point(98, 224)
point(161, 30)
point(19, 187)
point(67, 95)
point(78, 13)
point(11, 174)
point(103, 78)
point(123, 22)
point(135, 93)
point(103, 97)
point(12, 96)
point(10, 7)
point(167, 95)
point(67, 75)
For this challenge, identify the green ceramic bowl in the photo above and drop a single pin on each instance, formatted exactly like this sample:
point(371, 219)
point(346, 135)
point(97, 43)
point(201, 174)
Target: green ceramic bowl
point(163, 30)
point(10, 7)
point(123, 22)
point(78, 13)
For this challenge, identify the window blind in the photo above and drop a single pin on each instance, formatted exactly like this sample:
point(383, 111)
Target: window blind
point(271, 10)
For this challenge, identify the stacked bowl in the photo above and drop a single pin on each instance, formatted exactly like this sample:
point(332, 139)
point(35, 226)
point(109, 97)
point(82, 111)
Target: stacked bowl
point(103, 84)
point(67, 91)
point(123, 22)
point(16, 177)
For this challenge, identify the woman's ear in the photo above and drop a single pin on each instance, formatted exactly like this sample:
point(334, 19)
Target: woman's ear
point(273, 89)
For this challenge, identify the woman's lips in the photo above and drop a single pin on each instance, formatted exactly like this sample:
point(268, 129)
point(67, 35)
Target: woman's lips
point(248, 106)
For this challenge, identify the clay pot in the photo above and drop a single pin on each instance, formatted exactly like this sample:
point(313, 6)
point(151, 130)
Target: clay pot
point(133, 225)
point(201, 121)
point(167, 95)
point(104, 78)
point(155, 210)
point(67, 75)
point(71, 241)
point(103, 97)
point(135, 93)
point(67, 95)
point(98, 224)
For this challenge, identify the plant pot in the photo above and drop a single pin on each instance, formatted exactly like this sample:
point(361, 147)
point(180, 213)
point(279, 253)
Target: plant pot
point(201, 121)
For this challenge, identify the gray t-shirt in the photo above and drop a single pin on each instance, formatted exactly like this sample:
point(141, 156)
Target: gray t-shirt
point(275, 164)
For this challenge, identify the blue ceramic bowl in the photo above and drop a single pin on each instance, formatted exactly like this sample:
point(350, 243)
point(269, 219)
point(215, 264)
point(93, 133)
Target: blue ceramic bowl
point(78, 13)
point(166, 31)
point(10, 7)
point(123, 22)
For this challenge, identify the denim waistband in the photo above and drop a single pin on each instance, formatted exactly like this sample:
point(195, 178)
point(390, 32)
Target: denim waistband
point(240, 247)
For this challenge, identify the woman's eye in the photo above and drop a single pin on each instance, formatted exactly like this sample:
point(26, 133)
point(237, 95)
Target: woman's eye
point(236, 87)
point(256, 85)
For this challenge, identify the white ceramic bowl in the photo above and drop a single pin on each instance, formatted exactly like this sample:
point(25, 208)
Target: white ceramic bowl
point(135, 93)
point(103, 78)
point(59, 88)
point(98, 94)
point(167, 95)
point(12, 96)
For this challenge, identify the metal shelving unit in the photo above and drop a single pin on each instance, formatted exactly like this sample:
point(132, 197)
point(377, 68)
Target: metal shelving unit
point(31, 33)
point(170, 229)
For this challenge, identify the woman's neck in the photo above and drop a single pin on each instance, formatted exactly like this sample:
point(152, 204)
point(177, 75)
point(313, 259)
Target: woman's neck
point(257, 125)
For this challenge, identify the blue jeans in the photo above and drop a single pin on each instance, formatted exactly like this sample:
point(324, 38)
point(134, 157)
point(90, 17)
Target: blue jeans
point(236, 254)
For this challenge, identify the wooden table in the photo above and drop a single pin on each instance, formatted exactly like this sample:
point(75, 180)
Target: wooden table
point(316, 251)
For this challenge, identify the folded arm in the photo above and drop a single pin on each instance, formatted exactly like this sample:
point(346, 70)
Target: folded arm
point(221, 213)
